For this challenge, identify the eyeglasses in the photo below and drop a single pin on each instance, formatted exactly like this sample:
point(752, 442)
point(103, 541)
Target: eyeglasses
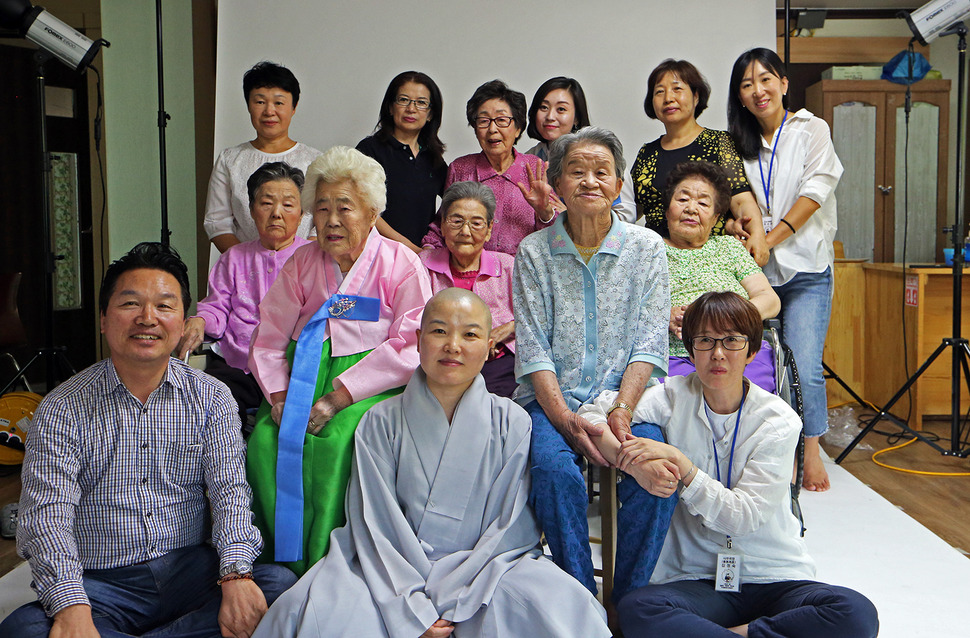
point(731, 342)
point(404, 101)
point(457, 222)
point(502, 121)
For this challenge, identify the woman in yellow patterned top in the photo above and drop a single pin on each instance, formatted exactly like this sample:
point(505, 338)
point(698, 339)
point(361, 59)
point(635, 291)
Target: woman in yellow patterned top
point(676, 95)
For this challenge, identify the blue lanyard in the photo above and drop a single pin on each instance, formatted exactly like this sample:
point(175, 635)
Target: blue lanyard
point(734, 440)
point(766, 185)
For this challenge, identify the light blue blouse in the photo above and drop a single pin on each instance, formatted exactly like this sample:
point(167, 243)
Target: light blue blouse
point(587, 323)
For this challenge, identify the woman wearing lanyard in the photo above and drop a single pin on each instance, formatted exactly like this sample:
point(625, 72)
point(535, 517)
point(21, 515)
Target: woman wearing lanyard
point(733, 561)
point(792, 165)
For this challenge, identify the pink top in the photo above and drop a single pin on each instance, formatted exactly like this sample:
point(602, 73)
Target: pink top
point(493, 285)
point(514, 217)
point(237, 283)
point(386, 270)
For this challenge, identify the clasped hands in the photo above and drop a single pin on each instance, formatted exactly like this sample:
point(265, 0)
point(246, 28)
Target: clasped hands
point(652, 464)
point(324, 409)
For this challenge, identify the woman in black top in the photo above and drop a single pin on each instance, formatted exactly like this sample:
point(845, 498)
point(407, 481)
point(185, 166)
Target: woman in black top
point(676, 95)
point(406, 144)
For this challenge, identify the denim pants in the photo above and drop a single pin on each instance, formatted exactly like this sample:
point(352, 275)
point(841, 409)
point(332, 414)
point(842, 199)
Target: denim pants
point(785, 609)
point(174, 595)
point(806, 305)
point(559, 499)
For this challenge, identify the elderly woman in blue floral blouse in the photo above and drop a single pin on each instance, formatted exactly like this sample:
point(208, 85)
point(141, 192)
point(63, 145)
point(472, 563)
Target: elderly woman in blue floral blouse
point(592, 304)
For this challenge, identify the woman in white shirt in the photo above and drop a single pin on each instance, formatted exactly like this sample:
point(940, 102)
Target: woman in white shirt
point(733, 561)
point(272, 93)
point(792, 167)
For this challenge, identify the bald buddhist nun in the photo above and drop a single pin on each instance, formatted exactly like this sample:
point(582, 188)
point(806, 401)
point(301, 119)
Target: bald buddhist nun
point(440, 539)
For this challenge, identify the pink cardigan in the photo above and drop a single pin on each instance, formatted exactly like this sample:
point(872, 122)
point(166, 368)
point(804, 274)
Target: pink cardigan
point(385, 269)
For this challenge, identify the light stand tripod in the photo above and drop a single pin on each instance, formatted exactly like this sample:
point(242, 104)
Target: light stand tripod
point(53, 356)
point(960, 351)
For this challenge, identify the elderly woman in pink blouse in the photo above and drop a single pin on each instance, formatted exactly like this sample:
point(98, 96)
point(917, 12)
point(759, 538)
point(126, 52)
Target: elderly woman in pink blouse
point(241, 277)
point(525, 203)
point(467, 220)
point(337, 335)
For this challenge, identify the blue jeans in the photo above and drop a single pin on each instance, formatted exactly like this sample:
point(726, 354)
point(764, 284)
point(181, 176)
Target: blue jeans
point(174, 595)
point(786, 609)
point(559, 499)
point(806, 305)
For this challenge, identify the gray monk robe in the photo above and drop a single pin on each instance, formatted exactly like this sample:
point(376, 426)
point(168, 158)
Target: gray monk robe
point(438, 526)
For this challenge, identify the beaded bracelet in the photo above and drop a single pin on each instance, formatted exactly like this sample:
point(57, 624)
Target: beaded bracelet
point(234, 576)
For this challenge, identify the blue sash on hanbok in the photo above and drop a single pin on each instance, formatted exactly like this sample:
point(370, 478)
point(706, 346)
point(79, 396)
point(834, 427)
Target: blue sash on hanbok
point(296, 415)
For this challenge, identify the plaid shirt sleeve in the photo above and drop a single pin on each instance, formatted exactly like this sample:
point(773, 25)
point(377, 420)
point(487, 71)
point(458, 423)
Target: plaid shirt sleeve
point(224, 470)
point(48, 506)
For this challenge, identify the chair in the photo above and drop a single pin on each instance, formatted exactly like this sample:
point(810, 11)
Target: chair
point(12, 332)
point(788, 388)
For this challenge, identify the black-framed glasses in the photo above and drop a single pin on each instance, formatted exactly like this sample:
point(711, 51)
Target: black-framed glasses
point(502, 121)
point(404, 101)
point(730, 342)
point(457, 222)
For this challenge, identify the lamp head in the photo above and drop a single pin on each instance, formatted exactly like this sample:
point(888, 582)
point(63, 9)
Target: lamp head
point(929, 21)
point(54, 36)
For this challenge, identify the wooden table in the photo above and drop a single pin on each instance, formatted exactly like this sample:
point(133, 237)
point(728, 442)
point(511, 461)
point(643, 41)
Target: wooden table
point(876, 309)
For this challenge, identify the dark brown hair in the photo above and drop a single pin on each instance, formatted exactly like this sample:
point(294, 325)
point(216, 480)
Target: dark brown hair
point(710, 173)
point(688, 74)
point(722, 312)
point(497, 90)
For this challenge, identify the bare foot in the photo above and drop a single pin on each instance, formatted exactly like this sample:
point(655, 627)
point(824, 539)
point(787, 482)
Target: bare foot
point(815, 478)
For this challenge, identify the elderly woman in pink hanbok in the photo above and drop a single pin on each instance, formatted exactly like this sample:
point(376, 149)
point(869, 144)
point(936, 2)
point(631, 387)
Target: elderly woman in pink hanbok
point(337, 335)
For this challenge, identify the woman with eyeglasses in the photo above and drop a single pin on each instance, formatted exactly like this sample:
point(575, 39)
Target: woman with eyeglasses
point(467, 219)
point(405, 143)
point(697, 195)
point(733, 561)
point(524, 201)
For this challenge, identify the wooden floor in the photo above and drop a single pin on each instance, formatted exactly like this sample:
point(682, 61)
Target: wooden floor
point(942, 504)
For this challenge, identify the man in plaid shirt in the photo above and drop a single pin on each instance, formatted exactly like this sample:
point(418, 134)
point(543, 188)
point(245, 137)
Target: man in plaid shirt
point(131, 467)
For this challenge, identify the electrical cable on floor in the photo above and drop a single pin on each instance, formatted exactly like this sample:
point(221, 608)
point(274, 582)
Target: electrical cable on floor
point(902, 469)
point(891, 437)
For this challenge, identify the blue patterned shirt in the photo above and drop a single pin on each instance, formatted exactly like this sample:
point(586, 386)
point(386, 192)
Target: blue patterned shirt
point(109, 482)
point(587, 323)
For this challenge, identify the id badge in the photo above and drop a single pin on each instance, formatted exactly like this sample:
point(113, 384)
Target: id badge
point(728, 575)
point(768, 224)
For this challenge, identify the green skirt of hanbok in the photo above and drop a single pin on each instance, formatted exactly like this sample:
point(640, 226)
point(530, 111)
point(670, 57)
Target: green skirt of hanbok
point(326, 465)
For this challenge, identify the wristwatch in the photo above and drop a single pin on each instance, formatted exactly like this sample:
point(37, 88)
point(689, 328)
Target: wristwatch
point(240, 567)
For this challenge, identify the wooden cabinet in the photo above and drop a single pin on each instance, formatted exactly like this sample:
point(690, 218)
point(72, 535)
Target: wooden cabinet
point(867, 118)
point(877, 308)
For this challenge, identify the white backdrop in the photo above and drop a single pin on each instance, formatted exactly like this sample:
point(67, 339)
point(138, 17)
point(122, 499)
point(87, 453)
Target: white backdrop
point(345, 53)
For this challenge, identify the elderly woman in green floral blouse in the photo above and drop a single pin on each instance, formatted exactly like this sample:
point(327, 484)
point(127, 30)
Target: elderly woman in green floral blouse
point(696, 196)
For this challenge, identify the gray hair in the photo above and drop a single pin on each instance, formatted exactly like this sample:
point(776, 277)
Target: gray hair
point(344, 163)
point(272, 172)
point(475, 191)
point(589, 135)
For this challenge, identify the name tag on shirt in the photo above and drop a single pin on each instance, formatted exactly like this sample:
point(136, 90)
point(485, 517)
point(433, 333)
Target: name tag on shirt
point(728, 576)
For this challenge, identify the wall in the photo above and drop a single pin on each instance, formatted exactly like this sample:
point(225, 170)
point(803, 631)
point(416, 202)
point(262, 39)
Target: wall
point(131, 131)
point(345, 57)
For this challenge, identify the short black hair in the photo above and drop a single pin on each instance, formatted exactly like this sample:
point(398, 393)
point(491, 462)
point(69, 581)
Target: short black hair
point(497, 90)
point(267, 75)
point(688, 74)
point(272, 172)
point(581, 119)
point(713, 174)
point(152, 255)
